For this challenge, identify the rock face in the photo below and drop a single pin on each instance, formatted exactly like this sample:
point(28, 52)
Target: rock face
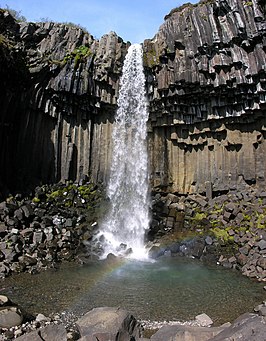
point(206, 86)
point(56, 122)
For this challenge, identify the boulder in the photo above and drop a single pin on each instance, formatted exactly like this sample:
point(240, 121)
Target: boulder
point(53, 333)
point(48, 333)
point(248, 327)
point(33, 336)
point(4, 300)
point(204, 320)
point(120, 324)
point(185, 333)
point(10, 317)
point(99, 337)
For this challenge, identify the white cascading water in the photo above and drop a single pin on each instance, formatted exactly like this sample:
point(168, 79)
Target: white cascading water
point(128, 217)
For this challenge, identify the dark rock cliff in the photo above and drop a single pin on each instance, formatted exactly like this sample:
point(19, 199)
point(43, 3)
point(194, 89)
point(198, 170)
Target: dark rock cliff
point(57, 103)
point(206, 84)
point(206, 76)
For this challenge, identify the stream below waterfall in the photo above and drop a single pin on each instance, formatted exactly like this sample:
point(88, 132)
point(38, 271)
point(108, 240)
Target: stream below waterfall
point(168, 289)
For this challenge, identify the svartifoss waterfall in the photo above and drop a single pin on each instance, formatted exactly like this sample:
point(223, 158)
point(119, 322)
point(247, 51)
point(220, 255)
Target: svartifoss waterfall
point(128, 217)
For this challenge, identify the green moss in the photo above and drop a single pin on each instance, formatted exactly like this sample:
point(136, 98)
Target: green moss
point(4, 42)
point(79, 55)
point(150, 58)
point(55, 194)
point(36, 200)
point(222, 234)
point(68, 203)
point(200, 216)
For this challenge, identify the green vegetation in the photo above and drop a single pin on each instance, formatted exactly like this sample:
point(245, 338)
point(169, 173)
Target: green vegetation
point(79, 55)
point(248, 3)
point(71, 195)
point(150, 58)
point(3, 41)
point(222, 234)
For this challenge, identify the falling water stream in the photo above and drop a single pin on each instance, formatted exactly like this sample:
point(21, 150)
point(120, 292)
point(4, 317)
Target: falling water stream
point(127, 219)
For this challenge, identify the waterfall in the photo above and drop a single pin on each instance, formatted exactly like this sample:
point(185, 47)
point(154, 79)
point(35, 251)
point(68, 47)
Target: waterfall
point(128, 217)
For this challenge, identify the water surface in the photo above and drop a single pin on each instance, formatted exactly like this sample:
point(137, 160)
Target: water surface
point(168, 289)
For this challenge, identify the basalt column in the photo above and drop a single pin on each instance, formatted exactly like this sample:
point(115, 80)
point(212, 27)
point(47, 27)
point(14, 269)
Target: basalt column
point(206, 78)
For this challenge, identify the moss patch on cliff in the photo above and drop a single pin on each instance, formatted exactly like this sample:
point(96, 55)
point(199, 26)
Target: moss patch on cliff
point(78, 55)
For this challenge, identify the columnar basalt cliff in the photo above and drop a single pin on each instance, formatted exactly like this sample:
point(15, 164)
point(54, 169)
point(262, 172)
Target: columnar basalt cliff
point(56, 121)
point(206, 74)
point(206, 84)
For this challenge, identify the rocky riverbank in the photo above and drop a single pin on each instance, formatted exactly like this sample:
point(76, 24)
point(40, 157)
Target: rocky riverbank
point(51, 225)
point(228, 229)
point(58, 222)
point(116, 324)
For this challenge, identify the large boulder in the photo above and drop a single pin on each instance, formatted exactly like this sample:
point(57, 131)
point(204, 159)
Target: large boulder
point(247, 327)
point(10, 317)
point(119, 324)
point(49, 333)
point(185, 333)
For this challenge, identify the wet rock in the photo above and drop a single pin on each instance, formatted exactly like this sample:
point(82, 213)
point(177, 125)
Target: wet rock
point(156, 251)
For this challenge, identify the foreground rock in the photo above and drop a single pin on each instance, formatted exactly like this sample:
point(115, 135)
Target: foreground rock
point(186, 333)
point(248, 327)
point(115, 324)
point(49, 333)
point(112, 324)
point(11, 315)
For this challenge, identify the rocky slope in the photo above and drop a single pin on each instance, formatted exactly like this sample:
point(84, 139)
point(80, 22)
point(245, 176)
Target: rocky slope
point(206, 74)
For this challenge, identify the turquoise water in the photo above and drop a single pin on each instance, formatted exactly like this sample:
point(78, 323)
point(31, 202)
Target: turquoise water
point(168, 289)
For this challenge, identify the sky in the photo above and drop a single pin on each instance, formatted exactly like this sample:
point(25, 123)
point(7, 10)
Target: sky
point(132, 20)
